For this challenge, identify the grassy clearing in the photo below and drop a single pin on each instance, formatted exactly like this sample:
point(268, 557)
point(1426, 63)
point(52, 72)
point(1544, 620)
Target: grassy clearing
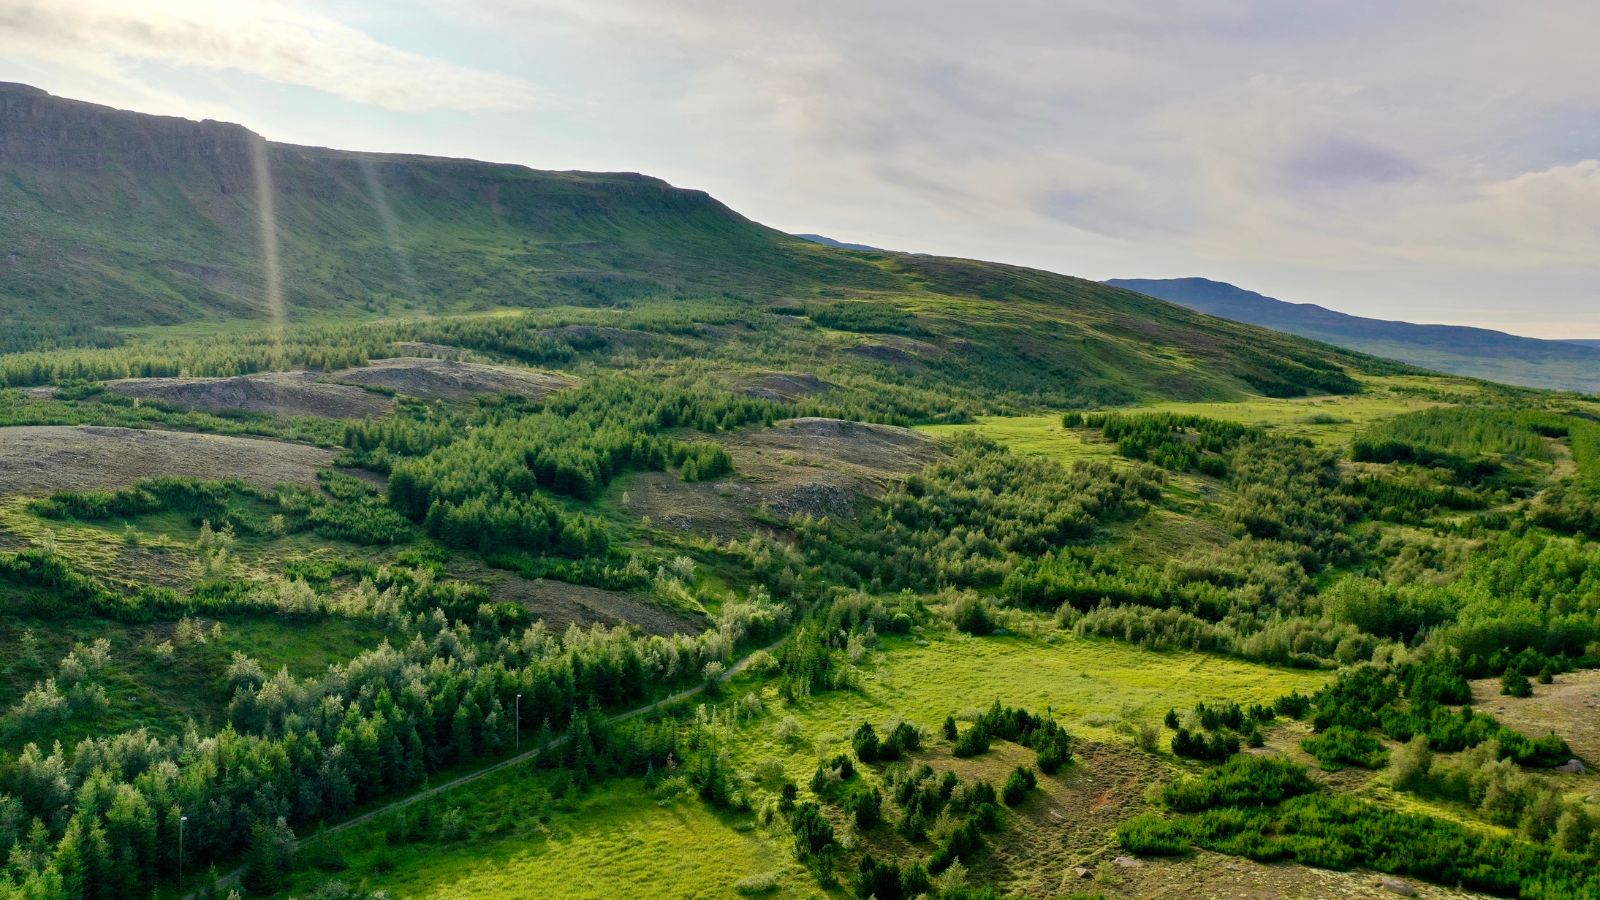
point(1042, 435)
point(1325, 420)
point(1089, 684)
point(617, 841)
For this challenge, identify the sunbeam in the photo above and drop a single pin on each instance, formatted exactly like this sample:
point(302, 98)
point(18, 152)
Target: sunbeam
point(267, 226)
point(391, 228)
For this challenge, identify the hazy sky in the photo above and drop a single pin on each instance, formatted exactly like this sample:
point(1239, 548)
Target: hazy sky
point(1432, 161)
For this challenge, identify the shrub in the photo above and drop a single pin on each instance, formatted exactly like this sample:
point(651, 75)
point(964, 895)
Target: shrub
point(1241, 781)
point(1215, 746)
point(972, 614)
point(1018, 784)
point(1151, 835)
point(865, 743)
point(757, 885)
point(1515, 684)
point(1340, 746)
point(813, 835)
point(865, 806)
point(972, 742)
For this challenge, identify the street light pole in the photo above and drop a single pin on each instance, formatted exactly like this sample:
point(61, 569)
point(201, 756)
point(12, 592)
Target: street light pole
point(181, 820)
point(519, 723)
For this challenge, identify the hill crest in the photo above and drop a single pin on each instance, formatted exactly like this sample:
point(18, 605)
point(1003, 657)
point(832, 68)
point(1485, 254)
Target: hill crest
point(1455, 349)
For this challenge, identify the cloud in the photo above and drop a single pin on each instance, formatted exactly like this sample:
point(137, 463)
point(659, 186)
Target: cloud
point(276, 42)
point(1374, 154)
point(1346, 162)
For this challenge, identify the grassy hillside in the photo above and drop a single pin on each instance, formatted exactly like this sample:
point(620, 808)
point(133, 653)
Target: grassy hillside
point(1459, 350)
point(119, 219)
point(585, 544)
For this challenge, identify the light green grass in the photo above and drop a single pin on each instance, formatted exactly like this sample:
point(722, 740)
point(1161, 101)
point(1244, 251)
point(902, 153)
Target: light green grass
point(615, 842)
point(1297, 417)
point(618, 841)
point(1042, 435)
point(1084, 682)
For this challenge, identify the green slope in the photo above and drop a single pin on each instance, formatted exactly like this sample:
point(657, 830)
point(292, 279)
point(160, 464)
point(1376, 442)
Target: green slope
point(110, 218)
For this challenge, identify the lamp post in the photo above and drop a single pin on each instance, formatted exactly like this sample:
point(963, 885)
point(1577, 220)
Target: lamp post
point(519, 723)
point(181, 820)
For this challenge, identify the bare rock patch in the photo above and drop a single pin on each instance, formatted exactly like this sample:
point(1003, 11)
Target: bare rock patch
point(279, 393)
point(448, 379)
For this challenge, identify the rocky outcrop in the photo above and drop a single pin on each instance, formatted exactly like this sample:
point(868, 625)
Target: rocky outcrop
point(39, 129)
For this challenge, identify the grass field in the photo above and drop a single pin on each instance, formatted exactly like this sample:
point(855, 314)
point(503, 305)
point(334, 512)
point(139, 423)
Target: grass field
point(1042, 435)
point(616, 841)
point(1087, 683)
point(1326, 420)
point(620, 841)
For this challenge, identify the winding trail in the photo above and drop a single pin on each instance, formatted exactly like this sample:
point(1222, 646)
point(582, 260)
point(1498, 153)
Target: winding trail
point(232, 877)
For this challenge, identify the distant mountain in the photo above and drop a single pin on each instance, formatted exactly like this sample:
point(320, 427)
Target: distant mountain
point(1582, 342)
point(1456, 349)
point(826, 241)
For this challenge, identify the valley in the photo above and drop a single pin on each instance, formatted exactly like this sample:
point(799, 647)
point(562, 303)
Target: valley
point(614, 544)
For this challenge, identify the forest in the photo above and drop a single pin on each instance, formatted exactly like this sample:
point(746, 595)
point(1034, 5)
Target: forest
point(211, 677)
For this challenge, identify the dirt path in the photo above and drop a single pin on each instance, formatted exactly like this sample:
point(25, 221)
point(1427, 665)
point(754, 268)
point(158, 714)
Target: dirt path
point(232, 877)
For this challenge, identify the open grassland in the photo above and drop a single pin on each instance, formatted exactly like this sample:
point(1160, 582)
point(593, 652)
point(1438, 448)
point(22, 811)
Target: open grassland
point(616, 841)
point(1329, 420)
point(516, 840)
point(1042, 435)
point(1326, 420)
point(1086, 683)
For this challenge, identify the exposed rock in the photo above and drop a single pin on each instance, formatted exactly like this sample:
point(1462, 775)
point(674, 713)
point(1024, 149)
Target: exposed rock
point(1126, 862)
point(422, 348)
point(1082, 871)
point(897, 349)
point(786, 386)
point(1574, 766)
point(281, 393)
point(1397, 886)
point(57, 133)
point(42, 459)
point(448, 379)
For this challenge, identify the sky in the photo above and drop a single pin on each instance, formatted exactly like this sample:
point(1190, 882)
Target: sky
point(1427, 160)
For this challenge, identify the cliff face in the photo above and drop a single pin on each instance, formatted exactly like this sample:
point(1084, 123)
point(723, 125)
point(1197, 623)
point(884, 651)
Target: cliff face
point(120, 218)
point(41, 130)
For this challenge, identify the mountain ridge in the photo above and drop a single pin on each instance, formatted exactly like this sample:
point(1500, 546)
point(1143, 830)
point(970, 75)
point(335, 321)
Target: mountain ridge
point(112, 219)
point(163, 211)
point(1455, 349)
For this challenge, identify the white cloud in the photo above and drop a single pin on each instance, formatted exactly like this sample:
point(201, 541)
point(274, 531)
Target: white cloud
point(1383, 156)
point(280, 43)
